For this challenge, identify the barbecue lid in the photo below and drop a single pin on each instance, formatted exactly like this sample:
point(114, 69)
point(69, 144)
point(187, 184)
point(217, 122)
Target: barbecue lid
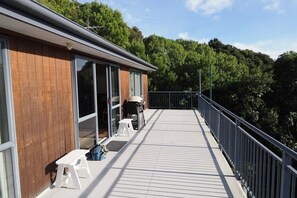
point(135, 99)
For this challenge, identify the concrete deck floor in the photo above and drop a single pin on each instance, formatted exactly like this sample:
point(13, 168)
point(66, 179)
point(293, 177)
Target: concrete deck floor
point(174, 155)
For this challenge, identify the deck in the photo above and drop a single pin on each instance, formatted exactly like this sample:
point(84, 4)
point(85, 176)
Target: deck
point(174, 155)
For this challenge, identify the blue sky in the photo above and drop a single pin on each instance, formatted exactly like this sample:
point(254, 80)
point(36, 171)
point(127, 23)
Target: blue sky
point(267, 26)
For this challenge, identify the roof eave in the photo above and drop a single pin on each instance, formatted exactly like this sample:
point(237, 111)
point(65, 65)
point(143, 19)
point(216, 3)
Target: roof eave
point(35, 11)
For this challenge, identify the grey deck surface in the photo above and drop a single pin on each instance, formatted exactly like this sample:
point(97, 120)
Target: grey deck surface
point(174, 155)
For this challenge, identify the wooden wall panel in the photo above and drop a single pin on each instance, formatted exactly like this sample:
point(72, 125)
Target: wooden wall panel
point(18, 114)
point(145, 89)
point(125, 86)
point(42, 92)
point(48, 112)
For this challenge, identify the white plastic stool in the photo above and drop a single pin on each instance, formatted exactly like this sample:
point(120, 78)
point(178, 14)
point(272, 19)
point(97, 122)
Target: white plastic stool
point(125, 127)
point(76, 163)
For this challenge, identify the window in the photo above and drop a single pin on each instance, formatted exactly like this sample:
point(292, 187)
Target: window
point(115, 87)
point(135, 83)
point(8, 153)
point(86, 92)
point(4, 133)
point(85, 81)
point(6, 174)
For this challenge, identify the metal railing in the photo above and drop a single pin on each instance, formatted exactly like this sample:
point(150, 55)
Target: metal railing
point(173, 100)
point(266, 167)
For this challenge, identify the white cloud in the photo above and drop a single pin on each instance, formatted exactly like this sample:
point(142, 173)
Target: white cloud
point(273, 5)
point(273, 48)
point(130, 19)
point(204, 40)
point(185, 36)
point(208, 7)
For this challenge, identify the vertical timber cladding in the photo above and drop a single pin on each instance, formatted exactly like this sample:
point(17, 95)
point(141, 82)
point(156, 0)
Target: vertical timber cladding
point(42, 90)
point(145, 89)
point(125, 86)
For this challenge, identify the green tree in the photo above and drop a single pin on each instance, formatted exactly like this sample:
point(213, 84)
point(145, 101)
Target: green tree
point(285, 94)
point(155, 48)
point(67, 8)
point(136, 45)
point(95, 16)
point(109, 23)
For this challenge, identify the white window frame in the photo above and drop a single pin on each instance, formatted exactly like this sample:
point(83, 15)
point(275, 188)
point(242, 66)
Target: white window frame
point(132, 93)
point(11, 144)
point(77, 119)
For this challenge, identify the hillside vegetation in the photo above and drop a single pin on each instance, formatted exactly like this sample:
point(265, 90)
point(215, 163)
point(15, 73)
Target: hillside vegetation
point(252, 85)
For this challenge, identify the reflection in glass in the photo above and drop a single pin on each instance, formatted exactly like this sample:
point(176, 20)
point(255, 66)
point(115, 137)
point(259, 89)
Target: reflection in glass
point(87, 133)
point(132, 82)
point(85, 78)
point(6, 174)
point(115, 95)
point(4, 135)
point(115, 120)
point(135, 84)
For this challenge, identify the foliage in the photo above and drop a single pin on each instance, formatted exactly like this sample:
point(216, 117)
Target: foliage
point(136, 45)
point(285, 94)
point(157, 50)
point(95, 16)
point(109, 22)
point(67, 8)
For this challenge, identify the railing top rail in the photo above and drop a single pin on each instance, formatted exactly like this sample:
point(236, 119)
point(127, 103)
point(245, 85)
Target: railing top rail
point(259, 132)
point(174, 92)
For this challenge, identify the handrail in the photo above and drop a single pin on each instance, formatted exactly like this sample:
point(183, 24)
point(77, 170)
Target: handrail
point(262, 171)
point(173, 99)
point(185, 92)
point(258, 131)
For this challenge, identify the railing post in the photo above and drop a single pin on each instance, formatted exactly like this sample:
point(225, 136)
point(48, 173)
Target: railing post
point(236, 160)
point(285, 178)
point(191, 101)
point(169, 100)
point(198, 99)
point(219, 127)
point(210, 106)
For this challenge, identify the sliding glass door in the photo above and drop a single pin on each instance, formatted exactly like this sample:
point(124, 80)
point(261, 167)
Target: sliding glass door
point(87, 103)
point(114, 95)
point(92, 98)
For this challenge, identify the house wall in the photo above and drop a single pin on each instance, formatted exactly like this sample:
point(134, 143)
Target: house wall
point(125, 86)
point(145, 89)
point(42, 92)
point(43, 107)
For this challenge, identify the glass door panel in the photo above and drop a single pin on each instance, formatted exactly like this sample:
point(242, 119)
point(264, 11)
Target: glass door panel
point(102, 104)
point(87, 112)
point(115, 119)
point(85, 84)
point(6, 174)
point(87, 133)
point(4, 132)
point(115, 90)
point(114, 98)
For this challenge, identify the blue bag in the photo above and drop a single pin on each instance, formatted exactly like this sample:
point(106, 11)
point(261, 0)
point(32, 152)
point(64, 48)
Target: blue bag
point(96, 153)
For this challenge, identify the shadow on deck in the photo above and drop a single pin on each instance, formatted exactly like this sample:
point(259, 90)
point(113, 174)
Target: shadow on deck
point(174, 155)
